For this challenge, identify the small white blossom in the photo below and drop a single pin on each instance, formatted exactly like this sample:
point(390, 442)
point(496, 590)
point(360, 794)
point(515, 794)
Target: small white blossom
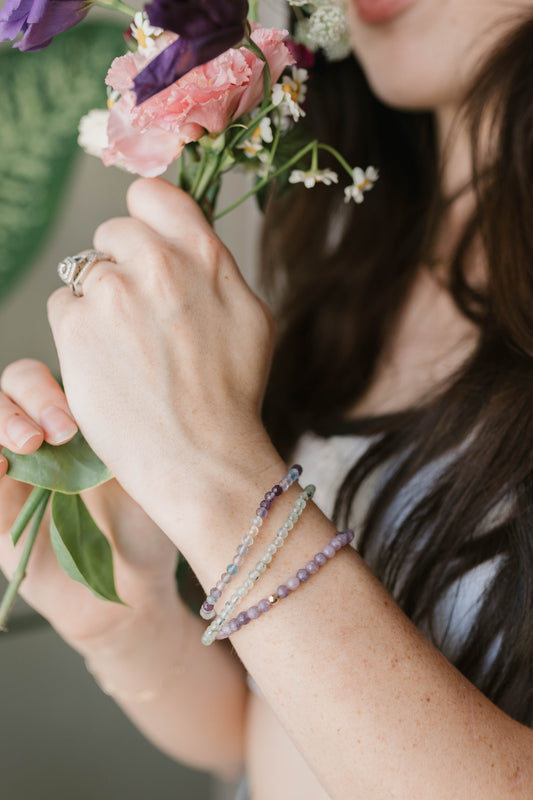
point(327, 28)
point(363, 181)
point(93, 132)
point(289, 95)
point(144, 33)
point(259, 137)
point(312, 177)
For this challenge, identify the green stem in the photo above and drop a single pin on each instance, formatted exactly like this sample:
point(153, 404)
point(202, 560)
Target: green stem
point(256, 50)
point(20, 572)
point(116, 5)
point(253, 13)
point(257, 188)
point(208, 174)
point(199, 173)
point(251, 126)
point(342, 161)
point(27, 512)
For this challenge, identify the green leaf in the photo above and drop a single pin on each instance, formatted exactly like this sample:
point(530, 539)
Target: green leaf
point(43, 95)
point(81, 548)
point(69, 468)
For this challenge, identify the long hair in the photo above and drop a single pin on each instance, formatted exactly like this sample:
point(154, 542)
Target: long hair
point(339, 277)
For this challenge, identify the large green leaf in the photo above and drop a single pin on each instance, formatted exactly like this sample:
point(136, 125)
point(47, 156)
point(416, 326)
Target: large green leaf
point(43, 95)
point(81, 548)
point(69, 468)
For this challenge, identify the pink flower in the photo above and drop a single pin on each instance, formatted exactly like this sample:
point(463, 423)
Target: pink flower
point(148, 137)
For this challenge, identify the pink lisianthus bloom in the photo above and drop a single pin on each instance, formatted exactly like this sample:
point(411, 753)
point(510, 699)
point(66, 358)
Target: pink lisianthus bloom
point(145, 139)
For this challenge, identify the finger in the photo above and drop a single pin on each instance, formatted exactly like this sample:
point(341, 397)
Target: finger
point(122, 238)
point(169, 211)
point(31, 386)
point(18, 431)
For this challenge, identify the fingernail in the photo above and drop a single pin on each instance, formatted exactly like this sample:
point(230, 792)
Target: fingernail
point(3, 465)
point(59, 427)
point(21, 431)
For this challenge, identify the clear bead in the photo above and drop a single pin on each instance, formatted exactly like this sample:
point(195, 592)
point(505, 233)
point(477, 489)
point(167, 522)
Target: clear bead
point(248, 583)
point(267, 558)
point(288, 524)
point(254, 530)
point(238, 561)
point(271, 549)
point(260, 566)
point(255, 575)
point(283, 533)
point(248, 540)
point(293, 517)
point(279, 541)
point(242, 592)
point(257, 521)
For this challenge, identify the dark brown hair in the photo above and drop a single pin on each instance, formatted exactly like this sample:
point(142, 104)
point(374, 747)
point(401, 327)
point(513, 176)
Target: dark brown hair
point(343, 274)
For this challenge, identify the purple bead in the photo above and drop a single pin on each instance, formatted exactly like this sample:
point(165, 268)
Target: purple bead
point(207, 607)
point(277, 490)
point(320, 559)
point(311, 567)
point(261, 512)
point(336, 543)
point(265, 504)
point(282, 591)
point(215, 593)
point(233, 626)
point(302, 575)
point(329, 551)
point(263, 606)
point(270, 496)
point(293, 582)
point(253, 612)
point(224, 632)
point(243, 618)
point(349, 534)
point(298, 468)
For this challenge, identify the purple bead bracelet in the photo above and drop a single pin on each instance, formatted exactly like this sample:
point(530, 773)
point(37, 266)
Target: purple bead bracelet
point(207, 610)
point(290, 585)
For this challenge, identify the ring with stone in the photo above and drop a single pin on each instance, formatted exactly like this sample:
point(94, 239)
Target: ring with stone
point(73, 269)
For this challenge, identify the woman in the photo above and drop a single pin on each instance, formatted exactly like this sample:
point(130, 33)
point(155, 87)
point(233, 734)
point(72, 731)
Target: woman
point(413, 321)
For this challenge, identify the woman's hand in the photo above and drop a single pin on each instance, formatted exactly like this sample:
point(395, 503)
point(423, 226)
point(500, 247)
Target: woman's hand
point(33, 408)
point(166, 356)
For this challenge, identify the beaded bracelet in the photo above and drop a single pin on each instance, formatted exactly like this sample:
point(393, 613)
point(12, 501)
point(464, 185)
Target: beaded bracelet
point(207, 610)
point(209, 635)
point(290, 585)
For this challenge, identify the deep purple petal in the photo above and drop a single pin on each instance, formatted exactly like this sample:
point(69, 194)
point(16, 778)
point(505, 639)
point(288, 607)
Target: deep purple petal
point(178, 59)
point(13, 17)
point(39, 20)
point(193, 18)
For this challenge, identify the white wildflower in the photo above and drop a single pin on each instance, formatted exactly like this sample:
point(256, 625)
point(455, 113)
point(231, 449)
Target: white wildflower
point(327, 28)
point(93, 132)
point(312, 177)
point(289, 95)
point(363, 181)
point(144, 33)
point(260, 136)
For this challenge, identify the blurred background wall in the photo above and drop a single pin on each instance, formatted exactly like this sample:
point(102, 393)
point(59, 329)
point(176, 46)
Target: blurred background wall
point(61, 738)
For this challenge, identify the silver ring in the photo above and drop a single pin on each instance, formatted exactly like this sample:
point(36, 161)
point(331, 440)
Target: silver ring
point(73, 269)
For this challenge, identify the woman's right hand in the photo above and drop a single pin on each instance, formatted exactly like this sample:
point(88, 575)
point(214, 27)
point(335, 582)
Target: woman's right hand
point(33, 409)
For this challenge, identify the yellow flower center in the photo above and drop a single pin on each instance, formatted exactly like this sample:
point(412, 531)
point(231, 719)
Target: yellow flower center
point(294, 93)
point(110, 103)
point(257, 133)
point(364, 184)
point(141, 38)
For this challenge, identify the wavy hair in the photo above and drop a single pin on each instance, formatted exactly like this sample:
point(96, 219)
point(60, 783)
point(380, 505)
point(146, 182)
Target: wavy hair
point(339, 288)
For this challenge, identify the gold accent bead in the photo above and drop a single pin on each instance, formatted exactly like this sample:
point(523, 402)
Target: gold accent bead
point(273, 599)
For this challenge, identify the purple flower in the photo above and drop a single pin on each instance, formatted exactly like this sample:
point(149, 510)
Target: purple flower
point(206, 29)
point(39, 20)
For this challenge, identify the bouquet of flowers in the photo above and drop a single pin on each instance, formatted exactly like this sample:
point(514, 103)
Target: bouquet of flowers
point(202, 84)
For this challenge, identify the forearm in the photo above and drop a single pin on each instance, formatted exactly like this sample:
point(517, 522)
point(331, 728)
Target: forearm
point(189, 702)
point(374, 708)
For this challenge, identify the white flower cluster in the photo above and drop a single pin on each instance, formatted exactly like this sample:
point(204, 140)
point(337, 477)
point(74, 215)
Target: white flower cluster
point(326, 28)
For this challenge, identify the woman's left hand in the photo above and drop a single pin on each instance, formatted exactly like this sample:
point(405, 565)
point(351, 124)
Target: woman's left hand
point(166, 356)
